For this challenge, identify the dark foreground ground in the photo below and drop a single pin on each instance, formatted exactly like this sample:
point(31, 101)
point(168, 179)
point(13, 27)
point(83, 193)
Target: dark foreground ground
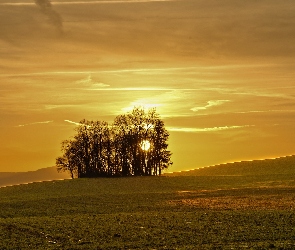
point(180, 212)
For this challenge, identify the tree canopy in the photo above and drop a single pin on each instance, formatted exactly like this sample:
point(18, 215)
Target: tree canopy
point(134, 144)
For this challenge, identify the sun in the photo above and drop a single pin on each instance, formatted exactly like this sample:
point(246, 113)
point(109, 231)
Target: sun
point(145, 145)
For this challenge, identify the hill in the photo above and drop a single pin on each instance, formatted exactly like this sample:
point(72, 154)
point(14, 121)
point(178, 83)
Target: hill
point(44, 174)
point(279, 166)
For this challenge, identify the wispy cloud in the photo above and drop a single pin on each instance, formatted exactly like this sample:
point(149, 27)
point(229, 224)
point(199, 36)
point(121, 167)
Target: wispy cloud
point(212, 129)
point(164, 70)
point(90, 2)
point(266, 111)
point(210, 104)
point(53, 17)
point(89, 82)
point(33, 123)
point(57, 106)
point(75, 123)
point(189, 70)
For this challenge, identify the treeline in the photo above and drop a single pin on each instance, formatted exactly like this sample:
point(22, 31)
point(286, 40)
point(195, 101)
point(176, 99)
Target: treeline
point(134, 144)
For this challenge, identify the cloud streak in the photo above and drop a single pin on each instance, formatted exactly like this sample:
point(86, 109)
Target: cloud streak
point(90, 2)
point(33, 123)
point(167, 70)
point(71, 122)
point(210, 104)
point(77, 123)
point(212, 129)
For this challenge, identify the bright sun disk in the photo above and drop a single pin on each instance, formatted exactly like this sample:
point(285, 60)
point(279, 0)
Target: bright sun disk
point(145, 145)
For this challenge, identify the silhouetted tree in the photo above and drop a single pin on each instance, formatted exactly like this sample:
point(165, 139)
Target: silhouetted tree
point(70, 161)
point(120, 149)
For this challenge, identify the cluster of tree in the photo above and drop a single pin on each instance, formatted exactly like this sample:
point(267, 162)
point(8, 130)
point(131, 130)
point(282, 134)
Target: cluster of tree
point(134, 144)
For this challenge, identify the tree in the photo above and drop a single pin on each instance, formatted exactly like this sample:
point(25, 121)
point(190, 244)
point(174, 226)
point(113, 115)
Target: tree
point(135, 144)
point(70, 161)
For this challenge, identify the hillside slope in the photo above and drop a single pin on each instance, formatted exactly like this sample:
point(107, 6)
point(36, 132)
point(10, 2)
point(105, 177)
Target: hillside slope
point(278, 166)
point(44, 174)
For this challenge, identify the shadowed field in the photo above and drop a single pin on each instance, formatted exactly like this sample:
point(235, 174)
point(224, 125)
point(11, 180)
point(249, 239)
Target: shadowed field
point(174, 212)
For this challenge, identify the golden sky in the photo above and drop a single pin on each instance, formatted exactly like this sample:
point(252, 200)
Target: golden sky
point(220, 73)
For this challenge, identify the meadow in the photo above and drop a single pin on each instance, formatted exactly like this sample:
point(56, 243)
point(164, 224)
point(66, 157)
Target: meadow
point(167, 212)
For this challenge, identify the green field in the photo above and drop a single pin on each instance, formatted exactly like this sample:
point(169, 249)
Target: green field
point(168, 212)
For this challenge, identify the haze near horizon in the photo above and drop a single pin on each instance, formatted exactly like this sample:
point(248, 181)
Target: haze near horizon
point(220, 74)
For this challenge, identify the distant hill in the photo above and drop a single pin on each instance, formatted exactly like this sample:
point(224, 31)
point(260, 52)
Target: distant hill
point(44, 174)
point(283, 165)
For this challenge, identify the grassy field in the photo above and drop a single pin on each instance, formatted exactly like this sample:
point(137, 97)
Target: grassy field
point(174, 212)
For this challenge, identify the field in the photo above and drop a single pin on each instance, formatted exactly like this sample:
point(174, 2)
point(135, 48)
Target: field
point(168, 212)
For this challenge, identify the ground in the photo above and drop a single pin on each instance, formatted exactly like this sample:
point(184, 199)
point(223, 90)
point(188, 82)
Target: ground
point(181, 212)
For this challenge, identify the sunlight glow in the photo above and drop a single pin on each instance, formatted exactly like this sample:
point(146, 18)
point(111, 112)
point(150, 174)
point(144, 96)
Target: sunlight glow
point(145, 145)
point(144, 105)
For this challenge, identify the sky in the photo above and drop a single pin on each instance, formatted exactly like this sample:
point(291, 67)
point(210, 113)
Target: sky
point(221, 74)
